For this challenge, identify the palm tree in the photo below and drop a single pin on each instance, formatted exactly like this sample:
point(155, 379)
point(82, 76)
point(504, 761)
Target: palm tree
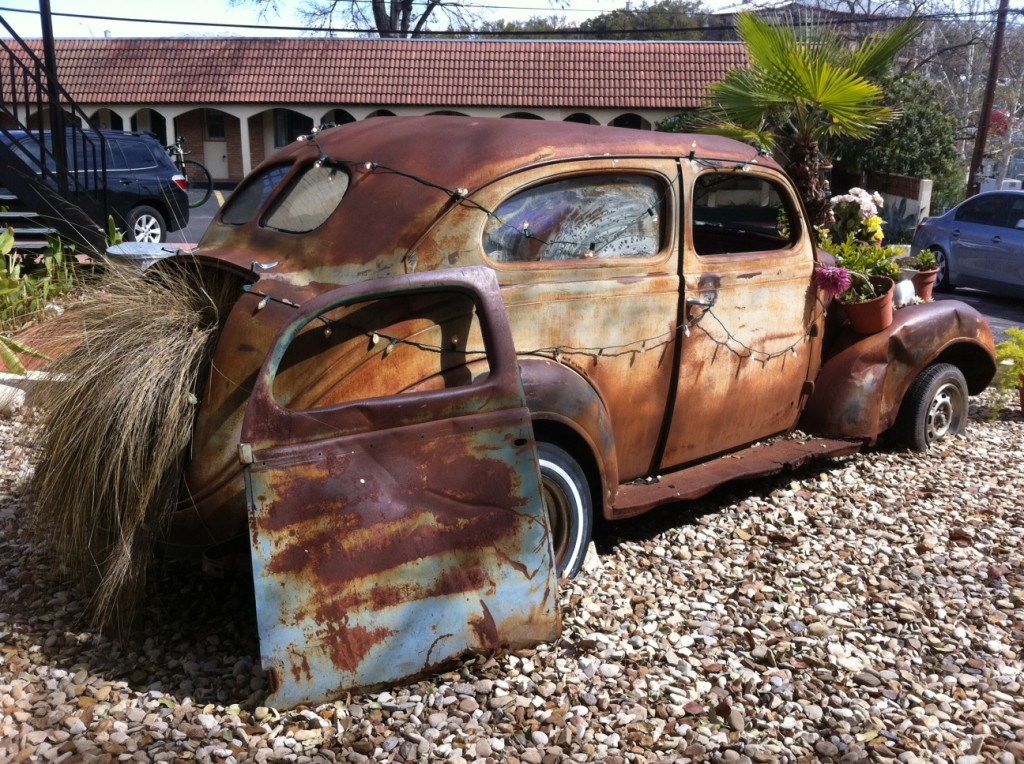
point(801, 90)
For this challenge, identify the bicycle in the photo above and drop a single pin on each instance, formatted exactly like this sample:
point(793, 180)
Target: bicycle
point(197, 177)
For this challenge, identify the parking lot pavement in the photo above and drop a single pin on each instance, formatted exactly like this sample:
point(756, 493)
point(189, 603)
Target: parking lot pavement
point(1001, 312)
point(199, 219)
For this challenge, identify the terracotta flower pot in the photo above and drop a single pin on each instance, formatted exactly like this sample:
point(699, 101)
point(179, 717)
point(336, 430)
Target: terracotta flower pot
point(874, 315)
point(924, 282)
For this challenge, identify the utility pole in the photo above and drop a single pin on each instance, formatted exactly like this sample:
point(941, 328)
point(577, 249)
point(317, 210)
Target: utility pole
point(973, 181)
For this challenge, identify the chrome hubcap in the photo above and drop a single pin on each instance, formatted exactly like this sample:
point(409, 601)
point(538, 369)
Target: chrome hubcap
point(945, 414)
point(147, 229)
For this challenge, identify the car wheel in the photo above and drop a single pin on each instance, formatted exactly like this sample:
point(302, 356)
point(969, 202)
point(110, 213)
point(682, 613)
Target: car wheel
point(942, 282)
point(934, 408)
point(566, 495)
point(146, 224)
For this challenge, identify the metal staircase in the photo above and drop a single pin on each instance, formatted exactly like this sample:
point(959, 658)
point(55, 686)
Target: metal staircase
point(54, 180)
point(30, 228)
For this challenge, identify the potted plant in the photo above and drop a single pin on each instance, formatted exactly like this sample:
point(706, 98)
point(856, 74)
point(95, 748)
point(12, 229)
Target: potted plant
point(867, 301)
point(855, 214)
point(866, 294)
point(1010, 358)
point(923, 270)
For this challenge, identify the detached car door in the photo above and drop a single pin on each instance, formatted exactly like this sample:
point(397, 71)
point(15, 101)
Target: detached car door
point(393, 489)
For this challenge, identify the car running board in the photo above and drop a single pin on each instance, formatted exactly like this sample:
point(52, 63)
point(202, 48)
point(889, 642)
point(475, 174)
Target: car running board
point(755, 461)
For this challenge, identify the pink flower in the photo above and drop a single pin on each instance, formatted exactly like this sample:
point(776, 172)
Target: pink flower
point(835, 281)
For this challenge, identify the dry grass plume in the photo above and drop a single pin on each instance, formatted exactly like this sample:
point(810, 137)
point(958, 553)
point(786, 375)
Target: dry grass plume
point(118, 426)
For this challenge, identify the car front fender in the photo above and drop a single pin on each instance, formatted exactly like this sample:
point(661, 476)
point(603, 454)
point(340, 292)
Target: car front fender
point(857, 393)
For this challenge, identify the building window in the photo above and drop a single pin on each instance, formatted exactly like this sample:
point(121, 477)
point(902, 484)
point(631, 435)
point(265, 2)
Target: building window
point(215, 130)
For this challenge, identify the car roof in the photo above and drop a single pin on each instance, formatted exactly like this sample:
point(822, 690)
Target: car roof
point(441, 155)
point(467, 152)
point(20, 135)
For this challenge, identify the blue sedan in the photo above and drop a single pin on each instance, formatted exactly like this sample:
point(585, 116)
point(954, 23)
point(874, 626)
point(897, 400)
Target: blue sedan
point(979, 243)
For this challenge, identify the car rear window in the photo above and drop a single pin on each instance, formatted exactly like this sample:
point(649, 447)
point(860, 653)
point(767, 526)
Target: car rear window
point(309, 200)
point(986, 210)
point(580, 218)
point(137, 154)
point(248, 200)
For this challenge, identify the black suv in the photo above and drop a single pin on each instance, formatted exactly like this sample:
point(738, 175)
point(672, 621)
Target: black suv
point(145, 191)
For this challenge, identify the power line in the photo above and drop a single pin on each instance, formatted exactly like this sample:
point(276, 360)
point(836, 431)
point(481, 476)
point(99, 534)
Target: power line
point(946, 16)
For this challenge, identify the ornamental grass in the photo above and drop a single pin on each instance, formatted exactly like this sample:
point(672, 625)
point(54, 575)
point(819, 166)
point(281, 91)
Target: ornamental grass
point(117, 426)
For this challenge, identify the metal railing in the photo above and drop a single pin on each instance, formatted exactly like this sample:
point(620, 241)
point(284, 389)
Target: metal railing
point(54, 163)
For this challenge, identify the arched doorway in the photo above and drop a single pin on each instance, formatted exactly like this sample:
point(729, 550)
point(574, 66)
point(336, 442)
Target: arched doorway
point(150, 121)
point(520, 115)
point(214, 138)
point(634, 121)
point(581, 118)
point(106, 119)
point(40, 120)
point(337, 117)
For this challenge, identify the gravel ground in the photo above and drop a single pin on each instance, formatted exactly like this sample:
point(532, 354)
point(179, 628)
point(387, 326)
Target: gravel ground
point(870, 608)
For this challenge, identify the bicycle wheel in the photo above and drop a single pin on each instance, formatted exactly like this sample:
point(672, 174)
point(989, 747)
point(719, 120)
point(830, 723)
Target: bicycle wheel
point(200, 184)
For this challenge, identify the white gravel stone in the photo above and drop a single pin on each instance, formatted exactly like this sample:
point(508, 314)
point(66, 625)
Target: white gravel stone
point(870, 608)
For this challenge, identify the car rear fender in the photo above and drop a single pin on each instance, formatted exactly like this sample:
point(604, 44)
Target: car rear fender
point(857, 393)
point(567, 410)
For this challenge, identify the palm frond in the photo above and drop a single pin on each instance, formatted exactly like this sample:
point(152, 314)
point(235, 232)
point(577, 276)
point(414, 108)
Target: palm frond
point(875, 54)
point(759, 138)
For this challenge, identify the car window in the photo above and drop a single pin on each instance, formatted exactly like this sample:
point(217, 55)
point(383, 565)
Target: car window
point(309, 200)
point(115, 158)
point(986, 210)
point(1016, 214)
point(137, 154)
point(35, 153)
point(591, 216)
point(83, 152)
point(389, 346)
point(736, 212)
point(248, 200)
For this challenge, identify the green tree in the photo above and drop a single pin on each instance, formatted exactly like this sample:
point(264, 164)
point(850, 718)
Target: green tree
point(920, 141)
point(545, 27)
point(663, 20)
point(801, 90)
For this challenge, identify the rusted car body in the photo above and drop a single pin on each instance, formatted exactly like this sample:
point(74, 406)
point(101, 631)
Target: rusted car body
point(656, 293)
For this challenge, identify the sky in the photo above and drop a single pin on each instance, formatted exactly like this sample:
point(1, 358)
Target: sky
point(216, 12)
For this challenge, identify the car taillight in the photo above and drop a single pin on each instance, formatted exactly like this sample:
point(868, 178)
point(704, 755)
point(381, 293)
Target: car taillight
point(181, 181)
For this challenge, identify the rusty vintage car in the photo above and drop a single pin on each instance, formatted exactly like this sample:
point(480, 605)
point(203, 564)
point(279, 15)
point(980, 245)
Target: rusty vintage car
point(462, 339)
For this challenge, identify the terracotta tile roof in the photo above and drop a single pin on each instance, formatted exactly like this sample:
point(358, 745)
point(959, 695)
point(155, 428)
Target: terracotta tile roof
point(442, 73)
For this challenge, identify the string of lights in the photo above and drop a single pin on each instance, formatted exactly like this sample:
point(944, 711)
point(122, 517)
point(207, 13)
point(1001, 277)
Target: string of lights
point(723, 338)
point(632, 348)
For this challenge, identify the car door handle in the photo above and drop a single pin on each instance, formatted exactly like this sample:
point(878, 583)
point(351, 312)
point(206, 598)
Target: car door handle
point(996, 239)
point(697, 307)
point(124, 182)
point(955, 234)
